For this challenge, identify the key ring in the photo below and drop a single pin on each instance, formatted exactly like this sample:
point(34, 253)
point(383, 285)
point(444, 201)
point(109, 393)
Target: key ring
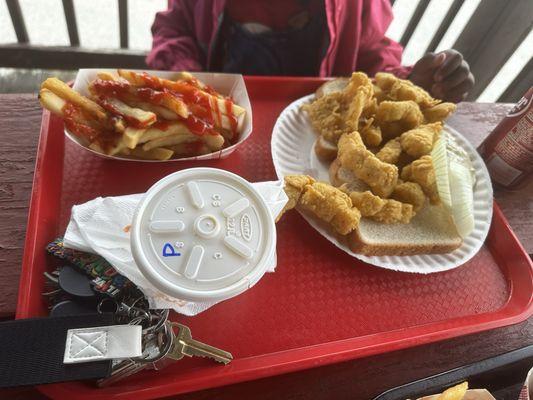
point(162, 319)
point(169, 334)
point(122, 309)
point(137, 300)
point(145, 318)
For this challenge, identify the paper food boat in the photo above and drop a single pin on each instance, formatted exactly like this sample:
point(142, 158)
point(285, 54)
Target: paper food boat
point(226, 84)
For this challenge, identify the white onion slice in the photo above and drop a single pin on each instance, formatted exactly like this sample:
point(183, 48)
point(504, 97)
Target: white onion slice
point(455, 181)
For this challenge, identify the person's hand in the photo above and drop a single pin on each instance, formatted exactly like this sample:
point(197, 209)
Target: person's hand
point(445, 75)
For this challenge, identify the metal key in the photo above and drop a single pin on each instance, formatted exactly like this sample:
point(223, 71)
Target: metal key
point(156, 348)
point(185, 345)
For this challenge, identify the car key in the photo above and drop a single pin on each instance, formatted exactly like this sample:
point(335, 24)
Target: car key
point(185, 345)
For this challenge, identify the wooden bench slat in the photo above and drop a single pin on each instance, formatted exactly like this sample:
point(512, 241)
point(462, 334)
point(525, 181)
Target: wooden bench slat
point(413, 22)
point(123, 22)
point(72, 26)
point(18, 21)
point(444, 25)
point(68, 58)
point(519, 86)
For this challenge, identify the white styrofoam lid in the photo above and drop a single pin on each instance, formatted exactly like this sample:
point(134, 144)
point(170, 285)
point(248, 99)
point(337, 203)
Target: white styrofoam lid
point(203, 234)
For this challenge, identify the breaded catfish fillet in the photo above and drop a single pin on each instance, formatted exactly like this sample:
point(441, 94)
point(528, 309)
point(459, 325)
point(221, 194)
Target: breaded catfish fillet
point(354, 156)
point(387, 211)
point(396, 117)
point(419, 141)
point(294, 187)
point(327, 115)
point(410, 192)
point(331, 205)
point(401, 90)
point(323, 200)
point(336, 113)
point(439, 112)
point(421, 171)
point(390, 153)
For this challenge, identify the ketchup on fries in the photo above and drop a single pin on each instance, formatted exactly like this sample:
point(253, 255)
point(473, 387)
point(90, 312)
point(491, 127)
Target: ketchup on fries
point(138, 115)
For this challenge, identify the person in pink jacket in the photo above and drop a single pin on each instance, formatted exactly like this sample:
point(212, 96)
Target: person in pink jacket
point(297, 38)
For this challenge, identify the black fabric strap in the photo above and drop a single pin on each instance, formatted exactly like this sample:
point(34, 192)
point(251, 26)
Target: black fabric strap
point(31, 350)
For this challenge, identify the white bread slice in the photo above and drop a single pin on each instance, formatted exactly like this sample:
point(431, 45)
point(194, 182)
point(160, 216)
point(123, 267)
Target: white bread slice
point(325, 150)
point(431, 231)
point(335, 85)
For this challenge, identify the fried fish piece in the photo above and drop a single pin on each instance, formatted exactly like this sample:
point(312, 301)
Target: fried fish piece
point(326, 115)
point(358, 95)
point(379, 94)
point(411, 193)
point(390, 152)
point(405, 90)
point(366, 202)
point(394, 212)
point(385, 81)
point(355, 109)
point(338, 112)
point(330, 205)
point(421, 171)
point(323, 200)
point(353, 155)
point(370, 133)
point(403, 160)
point(396, 117)
point(359, 81)
point(294, 187)
point(371, 108)
point(419, 141)
point(387, 211)
point(402, 89)
point(439, 112)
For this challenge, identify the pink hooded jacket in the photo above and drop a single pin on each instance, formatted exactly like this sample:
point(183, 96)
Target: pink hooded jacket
point(183, 37)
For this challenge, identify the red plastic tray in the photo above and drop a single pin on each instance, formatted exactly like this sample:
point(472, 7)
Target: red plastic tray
point(319, 307)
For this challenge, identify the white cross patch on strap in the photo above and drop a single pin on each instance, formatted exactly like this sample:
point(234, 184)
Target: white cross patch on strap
point(103, 343)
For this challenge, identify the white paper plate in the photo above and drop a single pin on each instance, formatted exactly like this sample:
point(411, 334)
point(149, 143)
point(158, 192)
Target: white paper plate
point(227, 84)
point(293, 140)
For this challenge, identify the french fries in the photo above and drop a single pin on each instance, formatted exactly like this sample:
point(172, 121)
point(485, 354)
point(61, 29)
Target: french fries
point(176, 128)
point(75, 119)
point(187, 76)
point(141, 116)
point(132, 136)
point(51, 101)
point(129, 93)
point(168, 141)
point(454, 393)
point(159, 153)
point(184, 88)
point(161, 112)
point(61, 89)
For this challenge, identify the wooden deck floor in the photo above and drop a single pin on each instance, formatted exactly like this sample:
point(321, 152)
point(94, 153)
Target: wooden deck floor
point(28, 80)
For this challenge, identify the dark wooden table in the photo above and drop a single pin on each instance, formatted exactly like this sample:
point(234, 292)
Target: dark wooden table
point(360, 379)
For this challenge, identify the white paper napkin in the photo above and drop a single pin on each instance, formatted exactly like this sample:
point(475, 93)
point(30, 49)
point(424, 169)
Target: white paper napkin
point(101, 226)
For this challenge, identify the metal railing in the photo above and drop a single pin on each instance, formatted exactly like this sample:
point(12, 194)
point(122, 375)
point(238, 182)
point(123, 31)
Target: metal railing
point(490, 37)
point(24, 55)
